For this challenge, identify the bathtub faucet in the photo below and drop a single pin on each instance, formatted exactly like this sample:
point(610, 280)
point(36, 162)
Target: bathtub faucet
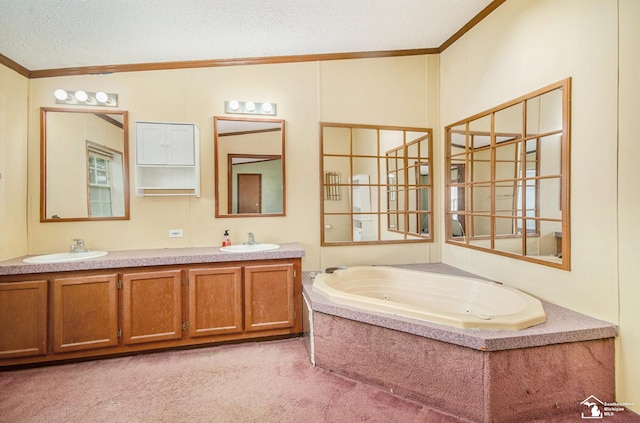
point(333, 269)
point(78, 246)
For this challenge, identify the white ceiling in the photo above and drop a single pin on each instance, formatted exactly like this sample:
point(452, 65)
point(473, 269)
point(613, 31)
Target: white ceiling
point(52, 34)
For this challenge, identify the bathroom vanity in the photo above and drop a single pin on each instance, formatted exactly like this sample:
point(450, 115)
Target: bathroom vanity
point(141, 300)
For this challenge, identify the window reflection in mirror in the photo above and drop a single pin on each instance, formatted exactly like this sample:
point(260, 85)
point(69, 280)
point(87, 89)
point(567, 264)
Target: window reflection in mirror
point(508, 177)
point(249, 167)
point(376, 184)
point(84, 171)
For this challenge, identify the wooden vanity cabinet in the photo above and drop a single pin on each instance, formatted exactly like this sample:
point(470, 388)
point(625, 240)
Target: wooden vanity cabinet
point(23, 319)
point(81, 314)
point(151, 306)
point(269, 297)
point(215, 301)
point(84, 312)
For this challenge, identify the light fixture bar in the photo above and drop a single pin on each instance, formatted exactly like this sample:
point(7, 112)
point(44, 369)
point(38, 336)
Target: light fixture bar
point(84, 98)
point(250, 108)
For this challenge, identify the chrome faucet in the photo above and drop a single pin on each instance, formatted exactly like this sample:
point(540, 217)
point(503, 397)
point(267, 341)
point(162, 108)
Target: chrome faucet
point(252, 239)
point(78, 246)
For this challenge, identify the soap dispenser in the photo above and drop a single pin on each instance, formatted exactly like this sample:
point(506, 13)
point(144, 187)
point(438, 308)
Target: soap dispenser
point(226, 239)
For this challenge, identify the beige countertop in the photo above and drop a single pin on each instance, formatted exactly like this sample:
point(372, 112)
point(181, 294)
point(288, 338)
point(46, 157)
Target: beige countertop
point(150, 257)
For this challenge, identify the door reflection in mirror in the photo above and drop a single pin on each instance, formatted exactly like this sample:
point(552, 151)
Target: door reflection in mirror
point(249, 167)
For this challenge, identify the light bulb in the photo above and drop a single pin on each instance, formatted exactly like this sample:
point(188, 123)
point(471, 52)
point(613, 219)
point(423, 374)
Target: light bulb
point(233, 105)
point(60, 94)
point(81, 96)
point(267, 107)
point(250, 106)
point(102, 97)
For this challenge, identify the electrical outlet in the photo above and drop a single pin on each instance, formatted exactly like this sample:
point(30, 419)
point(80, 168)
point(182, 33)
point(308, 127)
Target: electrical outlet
point(175, 233)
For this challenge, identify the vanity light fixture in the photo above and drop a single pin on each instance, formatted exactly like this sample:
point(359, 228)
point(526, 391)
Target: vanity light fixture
point(85, 98)
point(250, 108)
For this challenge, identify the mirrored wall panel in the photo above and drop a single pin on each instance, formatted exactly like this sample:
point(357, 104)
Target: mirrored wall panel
point(84, 171)
point(249, 167)
point(376, 184)
point(507, 178)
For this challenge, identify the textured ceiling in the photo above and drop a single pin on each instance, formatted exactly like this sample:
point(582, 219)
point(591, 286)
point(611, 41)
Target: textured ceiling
point(51, 34)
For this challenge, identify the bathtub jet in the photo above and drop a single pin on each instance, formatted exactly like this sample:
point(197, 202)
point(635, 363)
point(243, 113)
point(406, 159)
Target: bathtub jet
point(461, 302)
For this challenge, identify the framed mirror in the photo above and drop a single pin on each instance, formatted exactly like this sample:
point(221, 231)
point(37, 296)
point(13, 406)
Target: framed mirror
point(507, 183)
point(249, 167)
point(84, 165)
point(376, 184)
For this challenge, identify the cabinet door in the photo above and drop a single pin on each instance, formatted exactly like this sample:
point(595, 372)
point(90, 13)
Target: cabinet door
point(152, 306)
point(180, 145)
point(215, 301)
point(165, 144)
point(150, 144)
point(269, 297)
point(23, 319)
point(85, 312)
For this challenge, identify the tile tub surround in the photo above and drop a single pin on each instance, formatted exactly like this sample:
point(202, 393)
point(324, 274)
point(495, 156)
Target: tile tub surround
point(482, 375)
point(151, 257)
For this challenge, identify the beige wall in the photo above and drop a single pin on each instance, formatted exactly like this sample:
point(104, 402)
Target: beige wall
point(14, 95)
point(528, 44)
point(629, 203)
point(387, 91)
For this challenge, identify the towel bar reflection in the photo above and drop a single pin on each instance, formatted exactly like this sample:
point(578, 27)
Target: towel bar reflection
point(332, 186)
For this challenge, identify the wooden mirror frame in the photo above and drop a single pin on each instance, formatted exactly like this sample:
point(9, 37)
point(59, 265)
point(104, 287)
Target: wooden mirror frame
point(45, 162)
point(225, 211)
point(527, 213)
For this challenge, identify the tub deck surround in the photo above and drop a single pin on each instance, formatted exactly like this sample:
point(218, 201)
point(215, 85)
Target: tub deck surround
point(482, 375)
point(151, 257)
point(505, 386)
point(562, 325)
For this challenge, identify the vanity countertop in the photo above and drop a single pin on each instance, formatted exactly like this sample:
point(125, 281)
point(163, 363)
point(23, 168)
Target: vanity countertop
point(151, 257)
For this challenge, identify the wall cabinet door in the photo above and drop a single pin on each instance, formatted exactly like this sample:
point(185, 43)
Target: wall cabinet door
point(170, 144)
point(167, 158)
point(23, 319)
point(269, 297)
point(152, 306)
point(215, 301)
point(85, 312)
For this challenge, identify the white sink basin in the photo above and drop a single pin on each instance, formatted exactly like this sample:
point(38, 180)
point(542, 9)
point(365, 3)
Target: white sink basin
point(64, 257)
point(246, 248)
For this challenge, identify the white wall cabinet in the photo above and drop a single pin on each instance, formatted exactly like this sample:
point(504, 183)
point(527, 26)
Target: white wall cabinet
point(167, 159)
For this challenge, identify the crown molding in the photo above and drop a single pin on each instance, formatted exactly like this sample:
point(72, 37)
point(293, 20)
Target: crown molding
point(140, 67)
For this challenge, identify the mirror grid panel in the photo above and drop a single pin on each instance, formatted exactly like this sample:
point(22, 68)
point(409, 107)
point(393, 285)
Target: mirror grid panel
point(376, 184)
point(507, 178)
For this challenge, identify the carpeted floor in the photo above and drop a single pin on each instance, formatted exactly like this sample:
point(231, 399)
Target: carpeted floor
point(254, 382)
